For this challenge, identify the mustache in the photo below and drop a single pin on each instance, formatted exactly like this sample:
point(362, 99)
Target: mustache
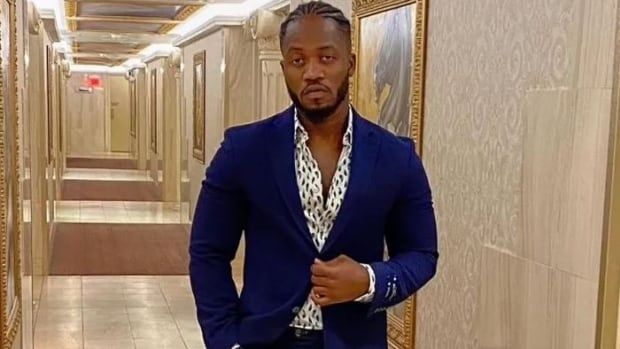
point(314, 88)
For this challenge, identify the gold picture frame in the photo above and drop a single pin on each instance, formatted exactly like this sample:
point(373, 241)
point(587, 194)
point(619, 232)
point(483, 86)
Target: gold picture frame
point(10, 210)
point(154, 110)
point(199, 73)
point(61, 96)
point(389, 39)
point(133, 108)
point(49, 68)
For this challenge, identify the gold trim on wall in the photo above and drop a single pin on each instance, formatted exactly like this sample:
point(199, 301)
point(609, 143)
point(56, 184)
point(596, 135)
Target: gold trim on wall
point(199, 119)
point(71, 11)
point(153, 114)
point(401, 330)
point(49, 69)
point(607, 321)
point(58, 76)
point(133, 102)
point(181, 16)
point(10, 319)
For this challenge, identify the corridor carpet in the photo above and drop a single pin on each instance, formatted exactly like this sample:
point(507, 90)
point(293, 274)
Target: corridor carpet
point(110, 190)
point(120, 249)
point(121, 164)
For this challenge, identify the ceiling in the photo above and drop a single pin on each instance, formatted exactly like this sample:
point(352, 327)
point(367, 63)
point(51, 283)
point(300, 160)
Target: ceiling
point(108, 32)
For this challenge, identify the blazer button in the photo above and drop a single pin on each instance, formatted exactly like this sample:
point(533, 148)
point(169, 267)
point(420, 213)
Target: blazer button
point(296, 310)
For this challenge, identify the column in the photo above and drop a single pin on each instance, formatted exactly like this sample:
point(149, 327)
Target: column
point(38, 150)
point(271, 94)
point(171, 131)
point(141, 122)
point(65, 75)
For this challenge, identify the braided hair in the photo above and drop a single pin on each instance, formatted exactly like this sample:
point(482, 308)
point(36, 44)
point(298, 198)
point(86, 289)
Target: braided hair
point(317, 8)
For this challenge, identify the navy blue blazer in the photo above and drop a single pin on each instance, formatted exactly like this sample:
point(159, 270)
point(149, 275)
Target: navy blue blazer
point(250, 187)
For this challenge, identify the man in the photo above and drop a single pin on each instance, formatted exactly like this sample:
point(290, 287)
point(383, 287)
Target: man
point(317, 190)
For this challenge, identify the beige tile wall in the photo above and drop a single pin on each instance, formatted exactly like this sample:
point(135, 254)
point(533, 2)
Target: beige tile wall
point(37, 191)
point(241, 56)
point(608, 326)
point(228, 100)
point(38, 183)
point(516, 127)
point(213, 44)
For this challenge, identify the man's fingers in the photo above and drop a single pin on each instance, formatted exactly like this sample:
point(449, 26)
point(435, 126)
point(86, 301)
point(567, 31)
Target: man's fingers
point(323, 301)
point(320, 291)
point(320, 297)
point(321, 281)
point(337, 261)
point(317, 299)
point(320, 269)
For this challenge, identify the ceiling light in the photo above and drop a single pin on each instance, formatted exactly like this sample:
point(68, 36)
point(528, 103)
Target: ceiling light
point(87, 68)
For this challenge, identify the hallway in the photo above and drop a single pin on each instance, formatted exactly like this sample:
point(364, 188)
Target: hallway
point(105, 289)
point(111, 112)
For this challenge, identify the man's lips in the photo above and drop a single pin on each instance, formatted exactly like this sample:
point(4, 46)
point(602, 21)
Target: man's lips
point(315, 90)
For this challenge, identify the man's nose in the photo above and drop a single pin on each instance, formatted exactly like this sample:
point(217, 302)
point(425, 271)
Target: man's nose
point(313, 71)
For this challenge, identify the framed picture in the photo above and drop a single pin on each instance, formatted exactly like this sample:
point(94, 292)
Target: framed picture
point(133, 113)
point(60, 83)
point(389, 40)
point(10, 273)
point(388, 88)
point(154, 110)
point(49, 70)
point(199, 71)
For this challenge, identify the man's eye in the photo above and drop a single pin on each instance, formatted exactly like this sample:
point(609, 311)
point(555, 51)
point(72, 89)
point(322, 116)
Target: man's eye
point(298, 61)
point(328, 58)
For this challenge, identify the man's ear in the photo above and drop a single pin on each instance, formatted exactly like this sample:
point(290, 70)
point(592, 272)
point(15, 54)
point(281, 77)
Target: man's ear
point(352, 63)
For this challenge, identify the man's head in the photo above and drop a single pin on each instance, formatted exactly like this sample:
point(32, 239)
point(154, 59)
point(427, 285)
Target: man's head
point(315, 40)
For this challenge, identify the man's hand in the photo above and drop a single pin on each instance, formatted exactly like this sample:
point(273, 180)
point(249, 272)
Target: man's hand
point(338, 281)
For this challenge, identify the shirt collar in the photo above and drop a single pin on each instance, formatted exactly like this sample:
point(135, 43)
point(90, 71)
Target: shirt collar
point(301, 135)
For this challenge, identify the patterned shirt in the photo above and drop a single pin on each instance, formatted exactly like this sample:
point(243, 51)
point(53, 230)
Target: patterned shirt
point(320, 214)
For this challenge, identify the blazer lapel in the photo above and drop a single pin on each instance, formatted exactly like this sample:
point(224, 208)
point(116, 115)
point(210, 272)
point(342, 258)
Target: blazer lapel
point(363, 159)
point(283, 163)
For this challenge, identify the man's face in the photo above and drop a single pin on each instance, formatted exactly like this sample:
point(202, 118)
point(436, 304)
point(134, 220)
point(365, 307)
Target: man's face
point(317, 63)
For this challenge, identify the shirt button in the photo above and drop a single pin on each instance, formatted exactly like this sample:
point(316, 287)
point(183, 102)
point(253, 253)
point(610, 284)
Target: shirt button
point(295, 310)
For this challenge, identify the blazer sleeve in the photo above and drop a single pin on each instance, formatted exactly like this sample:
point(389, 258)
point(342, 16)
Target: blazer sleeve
point(411, 238)
point(216, 230)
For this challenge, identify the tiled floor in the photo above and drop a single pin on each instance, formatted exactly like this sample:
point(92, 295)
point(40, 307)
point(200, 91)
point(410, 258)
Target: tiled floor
point(121, 212)
point(117, 312)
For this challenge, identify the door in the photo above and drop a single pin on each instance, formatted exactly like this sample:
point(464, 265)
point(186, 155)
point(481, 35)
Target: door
point(119, 114)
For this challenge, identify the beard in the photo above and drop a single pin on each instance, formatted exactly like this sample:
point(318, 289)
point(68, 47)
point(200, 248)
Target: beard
point(318, 115)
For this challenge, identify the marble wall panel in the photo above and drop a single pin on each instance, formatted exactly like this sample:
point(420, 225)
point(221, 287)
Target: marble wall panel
point(515, 144)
